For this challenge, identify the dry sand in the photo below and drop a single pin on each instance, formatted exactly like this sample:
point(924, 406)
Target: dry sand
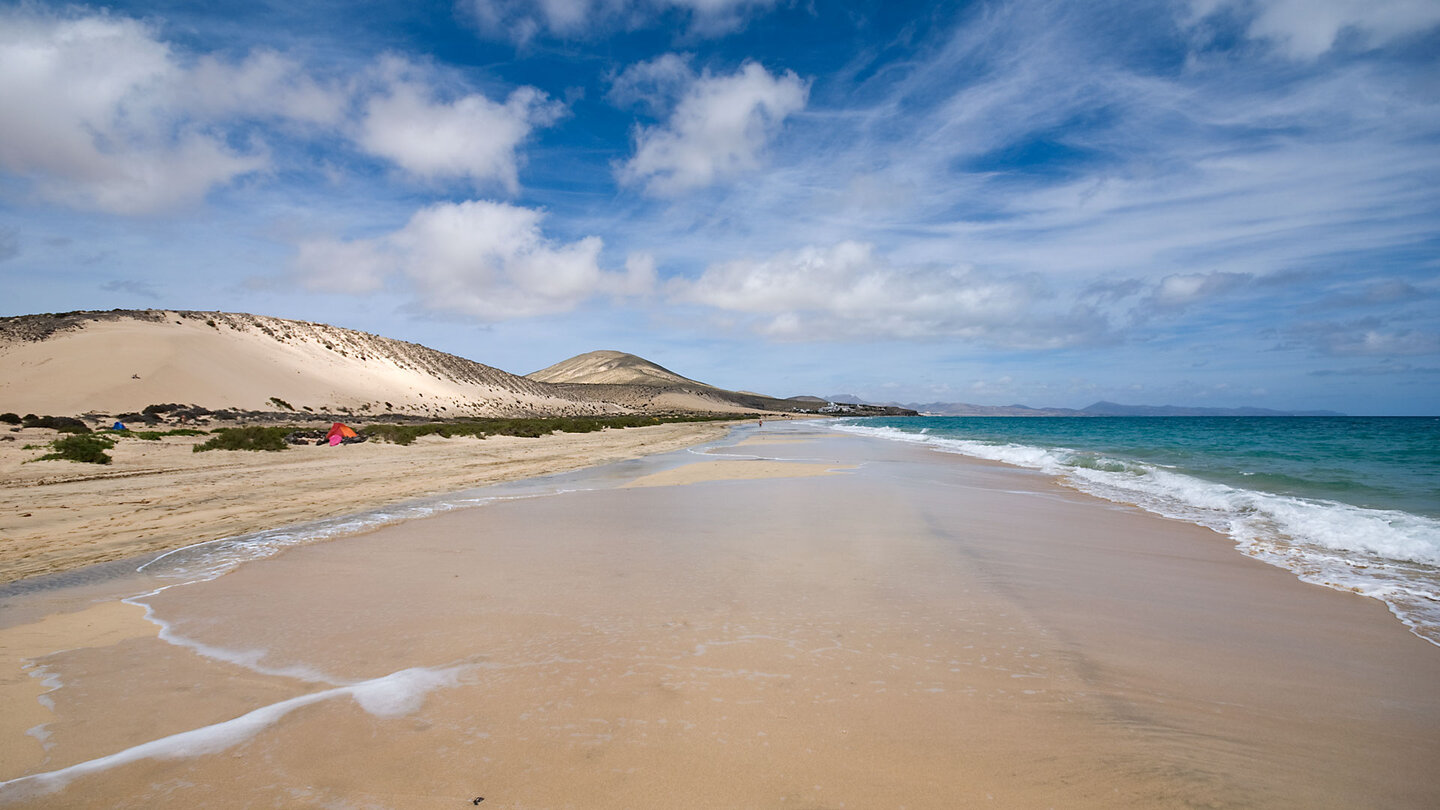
point(158, 495)
point(895, 628)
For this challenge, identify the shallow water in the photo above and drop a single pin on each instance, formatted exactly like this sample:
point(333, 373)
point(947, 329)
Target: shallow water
point(1352, 503)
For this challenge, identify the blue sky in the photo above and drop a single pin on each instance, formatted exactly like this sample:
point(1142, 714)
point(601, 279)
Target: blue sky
point(1201, 202)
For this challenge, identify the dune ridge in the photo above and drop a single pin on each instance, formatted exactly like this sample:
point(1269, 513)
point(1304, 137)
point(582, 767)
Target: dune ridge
point(125, 360)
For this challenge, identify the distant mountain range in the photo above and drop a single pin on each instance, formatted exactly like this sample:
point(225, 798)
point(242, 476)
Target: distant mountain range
point(1098, 409)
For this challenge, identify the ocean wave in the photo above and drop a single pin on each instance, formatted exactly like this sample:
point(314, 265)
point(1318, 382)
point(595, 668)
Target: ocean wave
point(1389, 555)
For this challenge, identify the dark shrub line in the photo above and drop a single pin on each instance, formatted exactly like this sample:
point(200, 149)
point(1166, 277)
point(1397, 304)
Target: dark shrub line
point(530, 428)
point(250, 437)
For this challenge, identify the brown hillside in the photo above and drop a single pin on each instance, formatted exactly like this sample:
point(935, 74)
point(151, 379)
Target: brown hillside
point(611, 368)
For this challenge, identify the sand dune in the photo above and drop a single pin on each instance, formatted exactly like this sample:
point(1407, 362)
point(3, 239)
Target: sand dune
point(124, 361)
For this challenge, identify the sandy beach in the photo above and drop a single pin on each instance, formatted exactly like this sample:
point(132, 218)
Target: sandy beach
point(797, 619)
point(157, 495)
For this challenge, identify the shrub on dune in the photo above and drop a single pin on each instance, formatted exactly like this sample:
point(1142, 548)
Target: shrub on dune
point(250, 437)
point(88, 448)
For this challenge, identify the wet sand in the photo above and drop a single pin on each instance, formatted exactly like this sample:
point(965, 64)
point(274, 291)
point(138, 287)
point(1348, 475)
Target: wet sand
point(877, 626)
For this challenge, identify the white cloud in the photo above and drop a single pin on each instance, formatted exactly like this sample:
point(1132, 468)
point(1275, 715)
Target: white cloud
point(115, 119)
point(101, 126)
point(483, 259)
point(264, 83)
point(846, 291)
point(1182, 289)
point(470, 137)
point(718, 129)
point(654, 85)
point(640, 277)
point(1305, 29)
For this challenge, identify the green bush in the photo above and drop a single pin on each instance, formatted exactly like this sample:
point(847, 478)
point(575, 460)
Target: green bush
point(251, 437)
point(88, 448)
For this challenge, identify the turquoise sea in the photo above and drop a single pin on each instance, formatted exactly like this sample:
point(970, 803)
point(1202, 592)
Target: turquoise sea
point(1352, 503)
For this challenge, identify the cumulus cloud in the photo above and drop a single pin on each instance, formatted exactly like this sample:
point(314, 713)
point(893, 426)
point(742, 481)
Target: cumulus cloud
point(479, 258)
point(1305, 29)
point(848, 291)
point(719, 128)
point(520, 21)
point(470, 137)
point(102, 128)
point(117, 120)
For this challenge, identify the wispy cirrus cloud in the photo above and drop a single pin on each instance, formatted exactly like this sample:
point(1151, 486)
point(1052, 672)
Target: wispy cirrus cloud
point(522, 21)
point(1034, 140)
point(1306, 29)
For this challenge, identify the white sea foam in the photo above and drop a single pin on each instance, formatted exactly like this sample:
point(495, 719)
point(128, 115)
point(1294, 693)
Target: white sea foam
point(214, 558)
point(1389, 555)
point(250, 659)
point(393, 695)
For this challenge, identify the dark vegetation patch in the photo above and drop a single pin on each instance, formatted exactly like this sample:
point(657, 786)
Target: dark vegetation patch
point(64, 424)
point(530, 428)
point(280, 403)
point(156, 435)
point(10, 418)
point(250, 437)
point(88, 448)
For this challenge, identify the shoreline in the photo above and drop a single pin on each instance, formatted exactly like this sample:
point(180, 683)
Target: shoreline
point(838, 618)
point(161, 496)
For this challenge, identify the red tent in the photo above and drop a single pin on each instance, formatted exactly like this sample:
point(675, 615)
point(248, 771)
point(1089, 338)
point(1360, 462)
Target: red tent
point(339, 432)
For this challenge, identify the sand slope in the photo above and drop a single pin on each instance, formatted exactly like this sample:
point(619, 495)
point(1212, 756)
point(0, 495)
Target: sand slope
point(124, 361)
